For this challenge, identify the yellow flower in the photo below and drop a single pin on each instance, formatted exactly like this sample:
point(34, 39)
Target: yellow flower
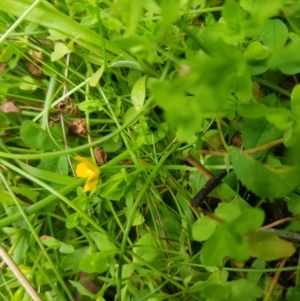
point(86, 169)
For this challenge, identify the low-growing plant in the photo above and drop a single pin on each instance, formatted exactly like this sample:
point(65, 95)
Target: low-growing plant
point(149, 150)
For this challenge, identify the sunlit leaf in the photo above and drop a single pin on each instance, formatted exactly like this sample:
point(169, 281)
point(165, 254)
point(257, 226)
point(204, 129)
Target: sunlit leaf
point(268, 246)
point(264, 180)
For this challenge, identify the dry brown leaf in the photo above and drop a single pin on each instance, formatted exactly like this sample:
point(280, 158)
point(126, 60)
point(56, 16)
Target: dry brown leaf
point(37, 56)
point(78, 126)
point(9, 107)
point(100, 156)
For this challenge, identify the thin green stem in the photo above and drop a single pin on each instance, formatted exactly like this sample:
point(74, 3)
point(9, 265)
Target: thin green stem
point(33, 232)
point(131, 217)
point(19, 21)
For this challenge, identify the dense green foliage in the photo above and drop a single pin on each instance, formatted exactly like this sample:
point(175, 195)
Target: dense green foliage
point(146, 89)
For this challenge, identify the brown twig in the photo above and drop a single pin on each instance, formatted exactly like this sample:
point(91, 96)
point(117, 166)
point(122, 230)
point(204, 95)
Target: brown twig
point(211, 152)
point(274, 281)
point(206, 173)
point(247, 152)
point(263, 147)
point(279, 222)
point(213, 216)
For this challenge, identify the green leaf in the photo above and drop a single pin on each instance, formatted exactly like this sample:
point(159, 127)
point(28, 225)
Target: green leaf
point(46, 175)
point(82, 290)
point(282, 118)
point(27, 192)
point(268, 246)
point(295, 100)
point(96, 77)
point(44, 14)
point(228, 212)
point(102, 242)
point(216, 291)
point(286, 59)
point(293, 293)
point(249, 220)
point(6, 198)
point(90, 105)
point(293, 203)
point(131, 13)
point(251, 110)
point(258, 264)
point(232, 14)
point(169, 10)
point(224, 242)
point(245, 290)
point(256, 132)
point(114, 187)
point(256, 51)
point(96, 262)
point(71, 261)
point(58, 165)
point(203, 228)
point(60, 50)
point(146, 248)
point(138, 93)
point(264, 180)
point(274, 34)
point(35, 137)
point(247, 4)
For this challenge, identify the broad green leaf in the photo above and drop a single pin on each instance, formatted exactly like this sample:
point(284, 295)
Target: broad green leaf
point(216, 291)
point(138, 93)
point(295, 100)
point(274, 34)
point(6, 198)
point(169, 10)
point(293, 293)
point(26, 192)
point(228, 211)
point(268, 246)
point(224, 242)
point(46, 175)
point(256, 132)
point(102, 242)
point(114, 187)
point(71, 261)
point(293, 203)
point(60, 50)
point(249, 220)
point(233, 17)
point(264, 180)
point(258, 264)
point(96, 77)
point(245, 290)
point(7, 53)
point(73, 220)
point(256, 51)
point(282, 118)
point(82, 290)
point(247, 4)
point(90, 105)
point(28, 84)
point(146, 248)
point(96, 262)
point(35, 137)
point(57, 165)
point(130, 11)
point(44, 14)
point(286, 59)
point(251, 110)
point(203, 228)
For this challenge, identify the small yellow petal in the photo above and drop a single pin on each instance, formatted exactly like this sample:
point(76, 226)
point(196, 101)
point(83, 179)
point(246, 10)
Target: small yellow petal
point(86, 169)
point(82, 171)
